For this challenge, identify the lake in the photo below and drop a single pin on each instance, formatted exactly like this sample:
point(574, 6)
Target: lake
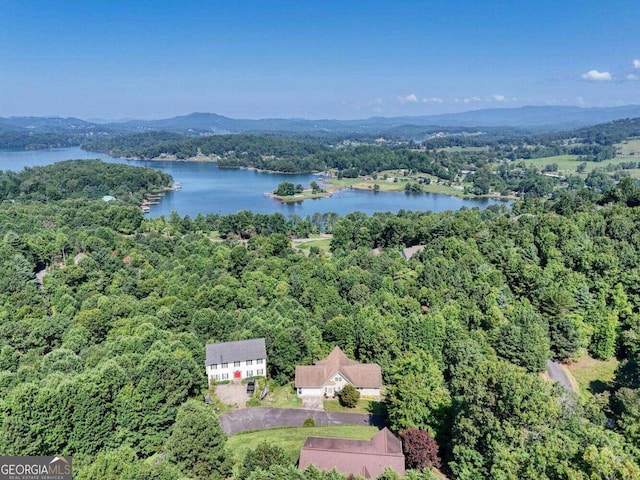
point(209, 189)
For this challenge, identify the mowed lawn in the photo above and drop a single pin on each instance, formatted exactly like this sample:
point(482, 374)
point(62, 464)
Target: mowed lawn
point(291, 440)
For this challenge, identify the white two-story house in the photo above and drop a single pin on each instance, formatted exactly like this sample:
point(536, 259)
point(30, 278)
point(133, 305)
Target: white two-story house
point(236, 360)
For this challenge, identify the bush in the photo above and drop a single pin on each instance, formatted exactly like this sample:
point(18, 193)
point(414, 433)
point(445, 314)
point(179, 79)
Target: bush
point(309, 422)
point(348, 396)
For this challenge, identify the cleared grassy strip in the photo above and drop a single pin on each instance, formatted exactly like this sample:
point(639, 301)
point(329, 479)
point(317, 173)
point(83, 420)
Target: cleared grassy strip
point(593, 376)
point(564, 162)
point(292, 439)
point(323, 244)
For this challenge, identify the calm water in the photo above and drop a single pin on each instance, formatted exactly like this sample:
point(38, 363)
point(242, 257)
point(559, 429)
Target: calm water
point(209, 189)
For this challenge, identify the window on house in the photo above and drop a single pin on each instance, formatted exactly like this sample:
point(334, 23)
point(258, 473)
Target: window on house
point(260, 361)
point(225, 376)
point(260, 372)
point(225, 365)
point(337, 379)
point(236, 364)
point(249, 362)
point(216, 377)
point(249, 373)
point(214, 366)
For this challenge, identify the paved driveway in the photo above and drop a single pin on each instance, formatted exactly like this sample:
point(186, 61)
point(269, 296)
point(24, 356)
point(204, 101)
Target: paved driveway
point(247, 419)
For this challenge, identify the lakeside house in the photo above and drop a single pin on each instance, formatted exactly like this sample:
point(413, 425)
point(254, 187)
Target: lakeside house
point(366, 458)
point(236, 360)
point(329, 376)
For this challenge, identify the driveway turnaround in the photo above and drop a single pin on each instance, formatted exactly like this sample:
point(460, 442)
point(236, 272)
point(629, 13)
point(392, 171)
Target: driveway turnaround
point(249, 419)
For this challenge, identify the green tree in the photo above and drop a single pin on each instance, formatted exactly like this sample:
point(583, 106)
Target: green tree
point(197, 442)
point(262, 458)
point(416, 394)
point(285, 189)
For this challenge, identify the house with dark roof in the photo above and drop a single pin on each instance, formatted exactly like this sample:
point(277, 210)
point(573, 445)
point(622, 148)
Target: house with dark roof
point(236, 360)
point(327, 377)
point(366, 458)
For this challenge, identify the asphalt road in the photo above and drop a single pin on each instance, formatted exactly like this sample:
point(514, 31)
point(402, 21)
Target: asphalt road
point(248, 419)
point(556, 374)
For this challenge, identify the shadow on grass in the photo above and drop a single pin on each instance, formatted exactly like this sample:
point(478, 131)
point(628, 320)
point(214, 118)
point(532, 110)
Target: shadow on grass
point(379, 409)
point(598, 386)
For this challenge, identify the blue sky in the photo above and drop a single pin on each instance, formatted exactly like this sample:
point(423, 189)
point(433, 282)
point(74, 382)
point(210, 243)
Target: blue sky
point(331, 59)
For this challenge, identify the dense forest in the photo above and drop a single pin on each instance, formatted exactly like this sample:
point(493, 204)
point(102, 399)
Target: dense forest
point(104, 357)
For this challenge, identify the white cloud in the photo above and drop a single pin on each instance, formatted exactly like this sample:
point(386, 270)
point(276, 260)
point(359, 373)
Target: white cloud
point(636, 63)
point(632, 76)
point(408, 99)
point(596, 76)
point(432, 100)
point(499, 98)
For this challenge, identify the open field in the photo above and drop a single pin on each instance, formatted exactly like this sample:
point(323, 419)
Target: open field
point(629, 148)
point(593, 376)
point(564, 162)
point(567, 164)
point(392, 186)
point(291, 440)
point(323, 244)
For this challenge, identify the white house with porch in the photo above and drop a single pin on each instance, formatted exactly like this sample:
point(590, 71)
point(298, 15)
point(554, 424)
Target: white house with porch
point(327, 377)
point(236, 360)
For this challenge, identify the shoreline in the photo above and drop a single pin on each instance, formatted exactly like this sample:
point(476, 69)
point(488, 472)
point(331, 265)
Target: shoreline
point(330, 187)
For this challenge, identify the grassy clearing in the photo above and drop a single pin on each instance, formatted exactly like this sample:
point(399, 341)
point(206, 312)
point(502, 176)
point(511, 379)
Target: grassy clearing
point(564, 162)
point(630, 148)
point(279, 396)
point(291, 440)
point(364, 406)
point(567, 164)
point(324, 244)
point(593, 376)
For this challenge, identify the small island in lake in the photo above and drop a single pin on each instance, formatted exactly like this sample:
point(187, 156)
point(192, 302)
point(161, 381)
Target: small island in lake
point(288, 192)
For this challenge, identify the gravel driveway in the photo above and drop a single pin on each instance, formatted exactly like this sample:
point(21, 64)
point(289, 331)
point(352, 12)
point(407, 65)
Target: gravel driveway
point(232, 394)
point(557, 374)
point(248, 419)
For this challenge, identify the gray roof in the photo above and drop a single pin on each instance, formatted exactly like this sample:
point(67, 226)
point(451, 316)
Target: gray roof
point(237, 351)
point(411, 251)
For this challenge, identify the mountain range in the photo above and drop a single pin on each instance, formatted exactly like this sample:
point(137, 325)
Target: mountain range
point(533, 118)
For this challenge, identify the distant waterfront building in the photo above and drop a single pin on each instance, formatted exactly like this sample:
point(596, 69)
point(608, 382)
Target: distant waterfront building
point(236, 360)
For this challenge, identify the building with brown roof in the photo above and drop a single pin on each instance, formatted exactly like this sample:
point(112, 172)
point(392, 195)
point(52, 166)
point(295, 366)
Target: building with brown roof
point(366, 458)
point(328, 376)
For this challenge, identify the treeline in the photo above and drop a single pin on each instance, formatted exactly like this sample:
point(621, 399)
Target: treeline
point(90, 179)
point(11, 140)
point(246, 148)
